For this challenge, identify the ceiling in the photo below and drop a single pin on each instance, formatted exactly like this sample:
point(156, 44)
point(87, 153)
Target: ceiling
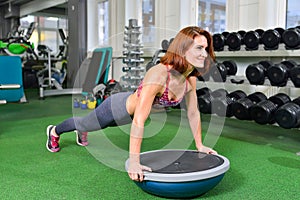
point(39, 7)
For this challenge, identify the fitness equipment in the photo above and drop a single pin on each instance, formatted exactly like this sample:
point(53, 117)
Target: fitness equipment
point(18, 46)
point(223, 106)
point(288, 115)
point(260, 33)
point(203, 91)
point(155, 58)
point(231, 67)
point(134, 73)
point(205, 100)
point(11, 81)
point(234, 41)
point(271, 39)
point(256, 73)
point(291, 38)
point(218, 72)
point(280, 31)
point(98, 68)
point(242, 33)
point(294, 74)
point(181, 173)
point(112, 87)
point(218, 42)
point(251, 40)
point(94, 71)
point(264, 111)
point(241, 107)
point(278, 74)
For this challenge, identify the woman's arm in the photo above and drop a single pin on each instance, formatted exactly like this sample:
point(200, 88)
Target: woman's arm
point(194, 116)
point(152, 86)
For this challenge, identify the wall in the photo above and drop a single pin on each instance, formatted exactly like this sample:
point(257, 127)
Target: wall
point(252, 14)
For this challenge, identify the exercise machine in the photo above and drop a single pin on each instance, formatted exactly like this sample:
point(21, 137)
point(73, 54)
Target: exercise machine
point(11, 81)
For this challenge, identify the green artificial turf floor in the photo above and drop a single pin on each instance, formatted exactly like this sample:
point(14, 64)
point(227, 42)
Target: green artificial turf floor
point(263, 160)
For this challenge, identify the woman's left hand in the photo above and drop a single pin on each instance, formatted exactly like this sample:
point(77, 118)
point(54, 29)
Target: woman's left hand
point(207, 150)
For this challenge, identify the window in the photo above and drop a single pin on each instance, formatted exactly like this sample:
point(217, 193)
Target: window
point(46, 31)
point(148, 15)
point(103, 20)
point(292, 13)
point(212, 15)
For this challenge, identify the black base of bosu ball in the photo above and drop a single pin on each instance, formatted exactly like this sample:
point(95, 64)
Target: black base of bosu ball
point(181, 173)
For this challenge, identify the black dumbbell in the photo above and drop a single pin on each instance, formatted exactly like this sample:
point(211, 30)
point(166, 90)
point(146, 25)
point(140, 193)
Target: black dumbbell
point(241, 107)
point(264, 111)
point(251, 40)
point(291, 38)
point(165, 45)
point(280, 31)
point(256, 73)
point(218, 72)
point(288, 115)
point(294, 74)
point(205, 100)
point(218, 42)
point(260, 33)
point(242, 33)
point(203, 91)
point(234, 41)
point(271, 39)
point(222, 106)
point(278, 74)
point(231, 67)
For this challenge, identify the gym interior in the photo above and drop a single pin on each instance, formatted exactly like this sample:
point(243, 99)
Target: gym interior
point(61, 58)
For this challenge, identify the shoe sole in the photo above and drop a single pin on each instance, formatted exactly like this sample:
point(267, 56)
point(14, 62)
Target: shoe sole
point(47, 133)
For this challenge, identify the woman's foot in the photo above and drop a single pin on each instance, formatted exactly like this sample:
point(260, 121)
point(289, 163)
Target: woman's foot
point(81, 138)
point(52, 141)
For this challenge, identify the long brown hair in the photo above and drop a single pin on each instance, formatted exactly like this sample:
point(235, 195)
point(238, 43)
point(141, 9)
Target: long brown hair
point(181, 43)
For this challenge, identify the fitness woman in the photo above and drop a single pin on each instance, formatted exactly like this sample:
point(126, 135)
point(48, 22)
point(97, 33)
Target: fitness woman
point(188, 56)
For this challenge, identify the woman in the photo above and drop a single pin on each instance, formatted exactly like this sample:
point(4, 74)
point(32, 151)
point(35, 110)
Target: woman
point(188, 56)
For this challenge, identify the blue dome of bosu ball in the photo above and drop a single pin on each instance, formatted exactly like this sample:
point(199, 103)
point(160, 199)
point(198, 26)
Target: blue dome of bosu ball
point(181, 173)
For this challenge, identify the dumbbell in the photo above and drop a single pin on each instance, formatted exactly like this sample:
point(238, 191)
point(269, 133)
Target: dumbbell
point(288, 115)
point(271, 39)
point(256, 73)
point(218, 41)
point(205, 100)
point(251, 40)
point(234, 41)
point(231, 67)
point(294, 74)
point(242, 34)
point(203, 91)
point(241, 107)
point(264, 111)
point(218, 72)
point(222, 106)
point(126, 69)
point(278, 74)
point(280, 31)
point(260, 33)
point(165, 45)
point(291, 38)
point(133, 60)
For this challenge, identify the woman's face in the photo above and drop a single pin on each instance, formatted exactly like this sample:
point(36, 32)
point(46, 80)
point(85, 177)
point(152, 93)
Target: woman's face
point(196, 54)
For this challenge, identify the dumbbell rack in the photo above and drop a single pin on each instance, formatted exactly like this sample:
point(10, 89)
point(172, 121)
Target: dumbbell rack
point(134, 73)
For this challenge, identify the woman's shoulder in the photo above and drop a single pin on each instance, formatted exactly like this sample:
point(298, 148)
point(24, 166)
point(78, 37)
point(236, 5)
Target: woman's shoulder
point(157, 73)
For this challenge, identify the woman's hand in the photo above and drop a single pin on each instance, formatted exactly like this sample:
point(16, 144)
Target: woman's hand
point(135, 171)
point(207, 150)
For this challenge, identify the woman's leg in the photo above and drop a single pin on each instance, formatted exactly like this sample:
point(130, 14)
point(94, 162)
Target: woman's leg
point(110, 112)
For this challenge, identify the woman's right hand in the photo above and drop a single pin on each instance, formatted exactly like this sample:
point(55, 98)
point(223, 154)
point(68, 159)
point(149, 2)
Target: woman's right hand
point(135, 171)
